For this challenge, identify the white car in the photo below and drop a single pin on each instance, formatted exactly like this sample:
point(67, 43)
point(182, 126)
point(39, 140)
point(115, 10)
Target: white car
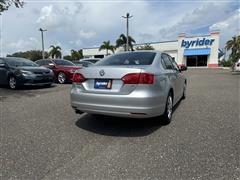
point(237, 66)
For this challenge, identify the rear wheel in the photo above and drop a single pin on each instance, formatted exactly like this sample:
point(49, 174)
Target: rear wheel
point(12, 82)
point(168, 110)
point(61, 78)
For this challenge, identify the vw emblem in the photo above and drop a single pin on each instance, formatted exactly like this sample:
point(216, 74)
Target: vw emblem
point(102, 73)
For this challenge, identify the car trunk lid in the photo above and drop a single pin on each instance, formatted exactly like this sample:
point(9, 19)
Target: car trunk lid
point(107, 79)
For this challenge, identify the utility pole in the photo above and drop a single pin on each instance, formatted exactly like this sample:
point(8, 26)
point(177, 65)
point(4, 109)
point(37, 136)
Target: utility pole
point(42, 30)
point(127, 17)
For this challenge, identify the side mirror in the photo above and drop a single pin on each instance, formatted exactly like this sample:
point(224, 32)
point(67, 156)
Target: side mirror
point(2, 65)
point(183, 68)
point(51, 65)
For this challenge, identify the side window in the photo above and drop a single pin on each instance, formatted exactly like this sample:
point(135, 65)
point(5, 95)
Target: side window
point(163, 63)
point(44, 62)
point(39, 63)
point(174, 63)
point(2, 61)
point(167, 61)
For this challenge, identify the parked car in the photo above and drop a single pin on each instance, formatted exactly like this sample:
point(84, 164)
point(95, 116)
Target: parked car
point(139, 84)
point(83, 63)
point(92, 60)
point(63, 69)
point(15, 72)
point(237, 66)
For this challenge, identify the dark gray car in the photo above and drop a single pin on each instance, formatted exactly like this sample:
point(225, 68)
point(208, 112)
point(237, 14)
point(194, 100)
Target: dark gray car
point(16, 72)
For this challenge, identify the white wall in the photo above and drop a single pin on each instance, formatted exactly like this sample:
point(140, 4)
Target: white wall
point(173, 48)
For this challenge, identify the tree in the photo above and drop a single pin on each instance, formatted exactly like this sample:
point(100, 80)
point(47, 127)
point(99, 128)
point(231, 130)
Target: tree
point(122, 42)
point(107, 46)
point(76, 55)
point(68, 57)
point(145, 47)
point(55, 52)
point(234, 46)
point(32, 55)
point(5, 4)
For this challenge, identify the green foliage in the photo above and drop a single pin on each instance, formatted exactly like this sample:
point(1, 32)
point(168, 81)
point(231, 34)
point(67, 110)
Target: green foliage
point(5, 4)
point(107, 46)
point(32, 55)
point(55, 52)
point(122, 42)
point(226, 63)
point(75, 55)
point(234, 46)
point(145, 47)
point(68, 57)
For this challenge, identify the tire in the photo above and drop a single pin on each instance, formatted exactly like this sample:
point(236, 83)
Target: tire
point(12, 82)
point(167, 116)
point(61, 78)
point(184, 91)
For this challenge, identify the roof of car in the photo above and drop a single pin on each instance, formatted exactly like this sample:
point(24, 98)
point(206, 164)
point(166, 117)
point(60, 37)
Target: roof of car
point(6, 58)
point(86, 59)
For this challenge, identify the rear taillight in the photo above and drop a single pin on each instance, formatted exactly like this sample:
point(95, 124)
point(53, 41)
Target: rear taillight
point(78, 78)
point(138, 78)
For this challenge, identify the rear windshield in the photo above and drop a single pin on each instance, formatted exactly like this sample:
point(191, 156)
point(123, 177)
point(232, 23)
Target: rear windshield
point(63, 63)
point(132, 58)
point(19, 62)
point(92, 60)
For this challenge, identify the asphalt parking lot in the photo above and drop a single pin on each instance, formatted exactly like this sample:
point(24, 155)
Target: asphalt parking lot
point(42, 137)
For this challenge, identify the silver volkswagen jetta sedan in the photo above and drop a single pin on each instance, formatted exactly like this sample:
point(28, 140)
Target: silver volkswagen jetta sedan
point(140, 84)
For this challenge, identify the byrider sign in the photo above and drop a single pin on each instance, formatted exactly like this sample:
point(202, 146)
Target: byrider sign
point(201, 42)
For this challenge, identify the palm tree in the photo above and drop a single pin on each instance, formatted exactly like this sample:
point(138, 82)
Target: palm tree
point(106, 45)
point(234, 46)
point(76, 55)
point(122, 42)
point(55, 52)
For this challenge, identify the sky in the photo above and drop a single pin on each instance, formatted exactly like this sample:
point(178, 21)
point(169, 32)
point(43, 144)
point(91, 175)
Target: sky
point(85, 24)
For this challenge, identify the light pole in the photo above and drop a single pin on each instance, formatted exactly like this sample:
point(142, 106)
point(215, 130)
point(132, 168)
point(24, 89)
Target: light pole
point(42, 30)
point(127, 17)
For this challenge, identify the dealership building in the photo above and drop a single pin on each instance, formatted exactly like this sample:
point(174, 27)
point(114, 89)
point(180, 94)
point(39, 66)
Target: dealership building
point(192, 51)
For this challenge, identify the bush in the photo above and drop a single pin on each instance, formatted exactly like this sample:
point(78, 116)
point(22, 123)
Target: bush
point(226, 63)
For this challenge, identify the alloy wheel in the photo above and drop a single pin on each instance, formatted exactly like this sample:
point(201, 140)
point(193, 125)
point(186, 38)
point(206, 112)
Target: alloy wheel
point(12, 83)
point(61, 78)
point(169, 107)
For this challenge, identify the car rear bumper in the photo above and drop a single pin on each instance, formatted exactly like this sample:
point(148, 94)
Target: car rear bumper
point(132, 105)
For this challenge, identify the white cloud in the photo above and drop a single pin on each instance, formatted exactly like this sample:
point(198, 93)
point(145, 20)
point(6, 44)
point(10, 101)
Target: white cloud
point(84, 24)
point(200, 17)
point(77, 42)
point(87, 35)
point(23, 44)
point(228, 27)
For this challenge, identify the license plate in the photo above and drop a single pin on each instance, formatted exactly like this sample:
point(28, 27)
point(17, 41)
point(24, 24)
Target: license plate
point(103, 84)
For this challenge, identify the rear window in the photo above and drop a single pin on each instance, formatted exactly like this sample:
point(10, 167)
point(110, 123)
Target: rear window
point(133, 58)
point(64, 63)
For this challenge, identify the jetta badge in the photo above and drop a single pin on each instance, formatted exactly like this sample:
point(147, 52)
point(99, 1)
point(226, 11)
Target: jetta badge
point(101, 72)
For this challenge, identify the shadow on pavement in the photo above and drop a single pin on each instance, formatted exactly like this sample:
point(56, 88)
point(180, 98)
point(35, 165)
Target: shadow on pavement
point(114, 126)
point(25, 91)
point(123, 127)
point(27, 87)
